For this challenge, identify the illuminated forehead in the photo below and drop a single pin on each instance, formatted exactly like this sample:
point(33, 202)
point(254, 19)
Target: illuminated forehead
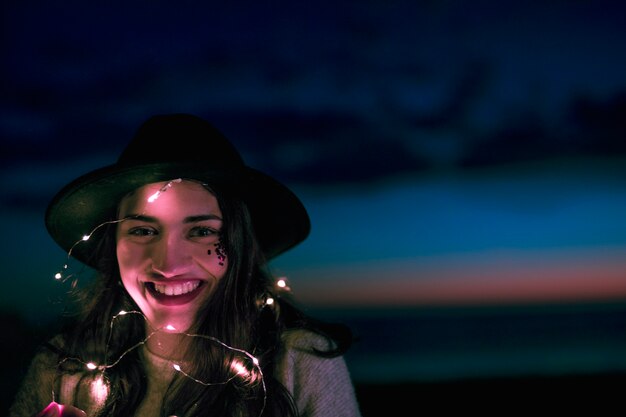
point(170, 197)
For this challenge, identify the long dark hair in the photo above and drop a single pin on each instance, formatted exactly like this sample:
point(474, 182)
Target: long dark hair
point(237, 316)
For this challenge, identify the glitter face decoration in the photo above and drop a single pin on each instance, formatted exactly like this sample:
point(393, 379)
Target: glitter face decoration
point(220, 251)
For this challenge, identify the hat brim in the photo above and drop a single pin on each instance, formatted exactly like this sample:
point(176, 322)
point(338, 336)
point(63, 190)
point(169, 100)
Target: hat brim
point(280, 220)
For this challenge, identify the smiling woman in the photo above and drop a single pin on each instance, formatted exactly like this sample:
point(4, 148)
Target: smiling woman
point(185, 317)
point(168, 251)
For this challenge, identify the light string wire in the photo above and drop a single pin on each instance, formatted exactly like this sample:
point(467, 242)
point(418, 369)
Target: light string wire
point(267, 301)
point(86, 237)
point(237, 367)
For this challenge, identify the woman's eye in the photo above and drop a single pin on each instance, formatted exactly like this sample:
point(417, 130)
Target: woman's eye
point(202, 232)
point(142, 231)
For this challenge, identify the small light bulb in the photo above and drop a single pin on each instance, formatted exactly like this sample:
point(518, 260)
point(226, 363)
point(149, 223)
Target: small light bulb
point(86, 237)
point(176, 366)
point(91, 366)
point(154, 197)
point(239, 368)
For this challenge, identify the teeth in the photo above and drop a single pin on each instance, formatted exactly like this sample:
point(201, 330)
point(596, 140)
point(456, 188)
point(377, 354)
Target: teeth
point(178, 288)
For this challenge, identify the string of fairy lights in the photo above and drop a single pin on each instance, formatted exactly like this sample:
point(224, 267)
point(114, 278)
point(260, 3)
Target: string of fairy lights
point(99, 389)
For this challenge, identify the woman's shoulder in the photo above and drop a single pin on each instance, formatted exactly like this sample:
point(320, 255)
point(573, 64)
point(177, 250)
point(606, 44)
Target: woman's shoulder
point(306, 340)
point(56, 341)
point(300, 357)
point(46, 357)
point(320, 385)
point(38, 381)
point(49, 350)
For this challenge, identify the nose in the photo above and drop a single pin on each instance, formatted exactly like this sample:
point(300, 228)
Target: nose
point(169, 256)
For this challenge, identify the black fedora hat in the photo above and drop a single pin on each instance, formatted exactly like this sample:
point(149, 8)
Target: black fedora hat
point(168, 147)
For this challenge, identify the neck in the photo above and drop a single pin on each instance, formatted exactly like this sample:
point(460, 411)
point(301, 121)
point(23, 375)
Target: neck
point(172, 346)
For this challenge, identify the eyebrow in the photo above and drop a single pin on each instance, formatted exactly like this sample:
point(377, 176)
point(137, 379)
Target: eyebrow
point(202, 217)
point(189, 219)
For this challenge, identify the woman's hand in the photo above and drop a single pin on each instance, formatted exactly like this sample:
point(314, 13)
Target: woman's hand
point(59, 410)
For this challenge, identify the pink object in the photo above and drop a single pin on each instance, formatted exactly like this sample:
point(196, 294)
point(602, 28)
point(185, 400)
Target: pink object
point(55, 409)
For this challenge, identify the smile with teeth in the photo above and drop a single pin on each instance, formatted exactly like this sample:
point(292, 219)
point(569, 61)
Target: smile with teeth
point(178, 288)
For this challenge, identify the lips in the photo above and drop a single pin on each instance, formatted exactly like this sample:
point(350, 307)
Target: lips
point(175, 293)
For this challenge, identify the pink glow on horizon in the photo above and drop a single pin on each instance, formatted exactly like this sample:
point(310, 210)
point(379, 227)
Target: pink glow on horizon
point(496, 278)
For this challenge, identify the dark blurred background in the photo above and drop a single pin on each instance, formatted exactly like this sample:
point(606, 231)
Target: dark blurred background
point(463, 164)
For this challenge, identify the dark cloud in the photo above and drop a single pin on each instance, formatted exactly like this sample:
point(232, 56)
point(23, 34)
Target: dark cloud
point(349, 92)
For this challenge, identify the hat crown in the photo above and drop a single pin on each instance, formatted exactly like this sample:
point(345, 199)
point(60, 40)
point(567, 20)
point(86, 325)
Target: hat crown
point(163, 148)
point(179, 138)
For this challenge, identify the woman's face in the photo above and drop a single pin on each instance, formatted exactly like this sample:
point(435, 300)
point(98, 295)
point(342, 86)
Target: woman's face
point(169, 252)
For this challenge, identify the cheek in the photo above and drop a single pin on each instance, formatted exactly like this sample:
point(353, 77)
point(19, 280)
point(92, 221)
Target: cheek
point(128, 257)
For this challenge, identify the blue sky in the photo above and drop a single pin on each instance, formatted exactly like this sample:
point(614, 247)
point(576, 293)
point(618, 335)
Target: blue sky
point(425, 134)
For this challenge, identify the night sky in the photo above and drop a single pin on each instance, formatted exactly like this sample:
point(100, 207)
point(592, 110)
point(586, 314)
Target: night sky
point(449, 152)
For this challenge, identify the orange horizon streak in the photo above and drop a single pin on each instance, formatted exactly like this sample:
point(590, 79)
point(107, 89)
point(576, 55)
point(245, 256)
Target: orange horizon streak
point(469, 281)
